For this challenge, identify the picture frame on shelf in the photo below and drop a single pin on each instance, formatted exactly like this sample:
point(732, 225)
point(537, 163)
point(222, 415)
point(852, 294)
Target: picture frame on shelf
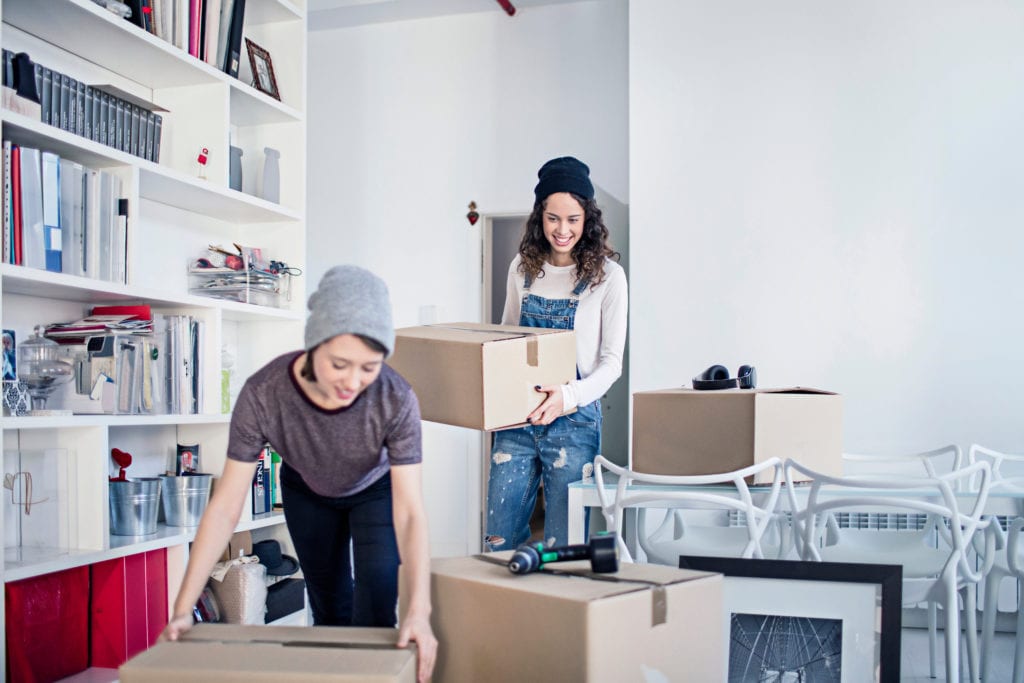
point(842, 620)
point(263, 78)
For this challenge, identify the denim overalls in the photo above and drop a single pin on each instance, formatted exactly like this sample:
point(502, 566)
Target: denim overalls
point(561, 452)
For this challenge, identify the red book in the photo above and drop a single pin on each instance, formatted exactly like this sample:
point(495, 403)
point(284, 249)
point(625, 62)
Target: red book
point(194, 7)
point(141, 312)
point(16, 200)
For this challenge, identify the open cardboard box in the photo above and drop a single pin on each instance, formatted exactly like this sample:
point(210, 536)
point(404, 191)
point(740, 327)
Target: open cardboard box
point(281, 654)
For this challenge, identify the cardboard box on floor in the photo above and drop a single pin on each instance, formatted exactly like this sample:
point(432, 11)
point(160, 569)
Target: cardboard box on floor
point(281, 654)
point(690, 432)
point(643, 623)
point(482, 376)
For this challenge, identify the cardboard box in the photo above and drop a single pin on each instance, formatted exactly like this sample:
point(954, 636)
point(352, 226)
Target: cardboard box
point(482, 376)
point(649, 623)
point(689, 432)
point(222, 652)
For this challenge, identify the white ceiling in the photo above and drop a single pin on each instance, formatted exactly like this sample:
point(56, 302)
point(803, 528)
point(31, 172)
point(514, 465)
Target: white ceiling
point(325, 14)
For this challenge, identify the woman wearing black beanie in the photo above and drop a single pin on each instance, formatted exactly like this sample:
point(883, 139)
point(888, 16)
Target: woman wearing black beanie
point(564, 277)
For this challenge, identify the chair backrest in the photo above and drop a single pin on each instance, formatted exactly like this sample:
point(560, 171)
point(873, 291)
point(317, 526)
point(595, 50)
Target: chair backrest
point(636, 488)
point(1004, 466)
point(931, 463)
point(815, 503)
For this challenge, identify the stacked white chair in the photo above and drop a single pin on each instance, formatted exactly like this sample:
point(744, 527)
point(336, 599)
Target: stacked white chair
point(931, 463)
point(671, 492)
point(1007, 474)
point(1016, 567)
point(930, 574)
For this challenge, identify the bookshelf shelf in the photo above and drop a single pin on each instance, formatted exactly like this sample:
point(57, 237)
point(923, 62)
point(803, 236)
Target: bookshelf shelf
point(86, 29)
point(173, 217)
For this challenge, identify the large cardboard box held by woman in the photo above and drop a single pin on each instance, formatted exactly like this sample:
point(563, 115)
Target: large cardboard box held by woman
point(482, 376)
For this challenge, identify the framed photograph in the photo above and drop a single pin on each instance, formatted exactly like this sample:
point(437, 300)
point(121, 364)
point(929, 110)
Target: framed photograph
point(10, 359)
point(834, 622)
point(262, 70)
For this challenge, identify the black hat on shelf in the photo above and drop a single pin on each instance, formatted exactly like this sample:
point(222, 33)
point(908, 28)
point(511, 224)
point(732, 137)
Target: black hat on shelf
point(270, 555)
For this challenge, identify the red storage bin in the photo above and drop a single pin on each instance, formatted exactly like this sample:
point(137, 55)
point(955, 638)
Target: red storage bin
point(129, 606)
point(48, 626)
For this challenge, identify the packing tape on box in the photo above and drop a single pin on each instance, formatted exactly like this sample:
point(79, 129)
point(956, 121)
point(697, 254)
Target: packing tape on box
point(659, 600)
point(532, 345)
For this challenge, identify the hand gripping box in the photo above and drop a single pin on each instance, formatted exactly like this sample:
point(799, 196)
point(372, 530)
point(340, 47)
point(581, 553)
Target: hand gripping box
point(690, 432)
point(643, 623)
point(279, 654)
point(482, 376)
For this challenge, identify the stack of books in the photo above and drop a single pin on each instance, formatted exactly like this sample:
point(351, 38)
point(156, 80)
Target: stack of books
point(101, 113)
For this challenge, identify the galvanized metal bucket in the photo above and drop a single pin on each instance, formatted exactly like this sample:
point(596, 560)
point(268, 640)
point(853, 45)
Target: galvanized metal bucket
point(185, 498)
point(134, 505)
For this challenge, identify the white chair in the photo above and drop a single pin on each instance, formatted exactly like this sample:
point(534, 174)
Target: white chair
point(675, 537)
point(1007, 473)
point(931, 463)
point(1016, 567)
point(936, 569)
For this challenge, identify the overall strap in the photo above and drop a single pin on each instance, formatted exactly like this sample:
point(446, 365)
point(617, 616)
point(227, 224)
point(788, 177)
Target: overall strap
point(580, 287)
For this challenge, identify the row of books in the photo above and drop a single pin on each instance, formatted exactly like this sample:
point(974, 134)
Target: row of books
point(266, 482)
point(92, 112)
point(209, 30)
point(61, 216)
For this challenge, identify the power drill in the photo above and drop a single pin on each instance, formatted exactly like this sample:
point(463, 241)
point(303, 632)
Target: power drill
point(602, 551)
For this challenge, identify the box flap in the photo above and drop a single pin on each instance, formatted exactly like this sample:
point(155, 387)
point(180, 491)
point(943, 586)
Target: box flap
point(199, 660)
point(473, 333)
point(227, 633)
point(572, 581)
point(740, 392)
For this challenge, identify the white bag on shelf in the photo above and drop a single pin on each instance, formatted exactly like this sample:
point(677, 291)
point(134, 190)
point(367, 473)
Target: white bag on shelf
point(240, 586)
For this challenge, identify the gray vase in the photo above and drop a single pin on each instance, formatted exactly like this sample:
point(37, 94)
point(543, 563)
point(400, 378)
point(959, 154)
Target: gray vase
point(271, 187)
point(235, 169)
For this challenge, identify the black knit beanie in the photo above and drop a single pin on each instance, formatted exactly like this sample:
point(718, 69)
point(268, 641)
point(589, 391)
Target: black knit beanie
point(564, 174)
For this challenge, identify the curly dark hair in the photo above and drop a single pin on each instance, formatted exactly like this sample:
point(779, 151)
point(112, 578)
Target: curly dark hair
point(589, 253)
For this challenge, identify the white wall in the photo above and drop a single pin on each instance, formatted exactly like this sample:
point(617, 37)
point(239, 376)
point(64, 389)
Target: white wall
point(411, 120)
point(832, 192)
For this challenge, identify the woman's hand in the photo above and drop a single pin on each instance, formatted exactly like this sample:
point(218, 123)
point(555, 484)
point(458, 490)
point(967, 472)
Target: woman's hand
point(176, 627)
point(551, 409)
point(418, 629)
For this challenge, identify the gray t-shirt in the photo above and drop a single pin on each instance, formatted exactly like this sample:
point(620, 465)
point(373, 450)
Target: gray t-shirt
point(337, 452)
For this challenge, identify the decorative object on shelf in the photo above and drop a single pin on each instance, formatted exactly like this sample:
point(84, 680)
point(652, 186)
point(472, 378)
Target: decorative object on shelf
point(472, 216)
point(43, 370)
point(262, 70)
point(270, 188)
point(185, 497)
point(187, 459)
point(10, 360)
point(20, 486)
point(17, 402)
point(123, 460)
point(235, 168)
point(201, 160)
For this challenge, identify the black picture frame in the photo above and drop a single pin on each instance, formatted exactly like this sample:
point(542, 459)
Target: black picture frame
point(888, 577)
point(263, 78)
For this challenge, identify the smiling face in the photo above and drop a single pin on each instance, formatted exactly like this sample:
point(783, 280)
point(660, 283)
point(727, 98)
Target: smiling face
point(344, 366)
point(563, 226)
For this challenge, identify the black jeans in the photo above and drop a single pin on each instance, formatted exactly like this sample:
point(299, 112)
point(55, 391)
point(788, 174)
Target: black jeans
point(334, 535)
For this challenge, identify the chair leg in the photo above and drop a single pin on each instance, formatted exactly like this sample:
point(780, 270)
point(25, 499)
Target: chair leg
point(971, 631)
point(933, 628)
point(952, 634)
point(988, 621)
point(1018, 648)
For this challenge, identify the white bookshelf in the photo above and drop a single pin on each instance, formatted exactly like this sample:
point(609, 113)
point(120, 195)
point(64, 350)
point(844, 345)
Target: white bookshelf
point(173, 216)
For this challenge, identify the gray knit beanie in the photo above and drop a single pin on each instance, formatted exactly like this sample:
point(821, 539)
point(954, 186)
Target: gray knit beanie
point(350, 300)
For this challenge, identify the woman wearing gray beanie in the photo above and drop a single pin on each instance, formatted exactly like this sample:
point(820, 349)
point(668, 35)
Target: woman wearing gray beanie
point(563, 277)
point(347, 428)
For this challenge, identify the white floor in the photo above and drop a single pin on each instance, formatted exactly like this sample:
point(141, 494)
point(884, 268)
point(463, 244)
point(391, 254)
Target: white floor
point(914, 660)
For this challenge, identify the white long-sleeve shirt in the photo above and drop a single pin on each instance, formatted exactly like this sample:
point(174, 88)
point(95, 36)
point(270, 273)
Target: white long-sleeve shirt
point(600, 324)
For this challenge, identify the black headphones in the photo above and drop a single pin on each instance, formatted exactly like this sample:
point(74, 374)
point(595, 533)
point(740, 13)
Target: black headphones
point(717, 377)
